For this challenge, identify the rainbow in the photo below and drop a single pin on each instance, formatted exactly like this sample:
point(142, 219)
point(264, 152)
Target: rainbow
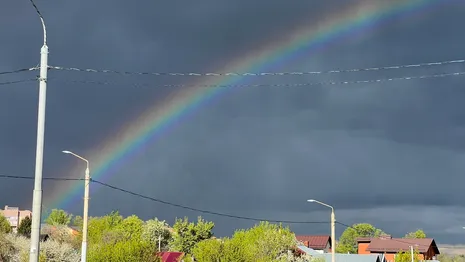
point(360, 17)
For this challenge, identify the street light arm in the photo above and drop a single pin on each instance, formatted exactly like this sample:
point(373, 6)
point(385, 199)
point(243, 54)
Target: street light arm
point(321, 203)
point(41, 20)
point(78, 156)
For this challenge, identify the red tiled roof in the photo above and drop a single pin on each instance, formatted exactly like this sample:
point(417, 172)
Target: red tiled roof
point(315, 242)
point(395, 245)
point(170, 256)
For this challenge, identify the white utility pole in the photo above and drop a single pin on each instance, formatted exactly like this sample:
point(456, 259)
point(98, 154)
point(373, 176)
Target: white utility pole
point(37, 193)
point(159, 243)
point(333, 228)
point(85, 216)
point(411, 252)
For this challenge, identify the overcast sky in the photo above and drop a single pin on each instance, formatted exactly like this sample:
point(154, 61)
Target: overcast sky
point(391, 154)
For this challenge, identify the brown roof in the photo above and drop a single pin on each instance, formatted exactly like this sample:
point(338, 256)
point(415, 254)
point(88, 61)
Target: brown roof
point(364, 239)
point(395, 245)
point(315, 242)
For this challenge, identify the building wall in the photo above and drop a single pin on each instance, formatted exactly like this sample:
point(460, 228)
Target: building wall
point(327, 248)
point(15, 216)
point(362, 248)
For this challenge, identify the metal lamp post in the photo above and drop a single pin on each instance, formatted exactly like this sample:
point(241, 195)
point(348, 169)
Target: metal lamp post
point(86, 206)
point(333, 228)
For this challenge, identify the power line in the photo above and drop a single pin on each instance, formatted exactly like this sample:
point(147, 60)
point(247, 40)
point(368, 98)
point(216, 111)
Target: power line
point(201, 210)
point(19, 71)
point(88, 70)
point(18, 81)
point(45, 178)
point(280, 85)
point(190, 208)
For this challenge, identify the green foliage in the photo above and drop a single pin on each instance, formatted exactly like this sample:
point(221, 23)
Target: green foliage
point(348, 240)
point(262, 243)
point(406, 256)
point(5, 226)
point(417, 234)
point(24, 228)
point(188, 234)
point(58, 217)
point(130, 227)
point(209, 250)
point(132, 250)
point(77, 222)
point(154, 229)
point(112, 238)
point(99, 228)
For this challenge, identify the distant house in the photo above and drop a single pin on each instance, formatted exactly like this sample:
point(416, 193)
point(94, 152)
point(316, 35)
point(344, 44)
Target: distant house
point(321, 243)
point(14, 215)
point(389, 247)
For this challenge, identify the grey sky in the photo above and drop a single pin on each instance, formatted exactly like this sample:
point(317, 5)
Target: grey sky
point(390, 154)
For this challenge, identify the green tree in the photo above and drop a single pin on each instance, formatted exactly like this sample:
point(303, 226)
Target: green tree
point(24, 228)
point(5, 226)
point(131, 227)
point(417, 234)
point(154, 231)
point(188, 234)
point(209, 250)
point(262, 243)
point(348, 240)
point(58, 217)
point(99, 227)
point(132, 250)
point(406, 256)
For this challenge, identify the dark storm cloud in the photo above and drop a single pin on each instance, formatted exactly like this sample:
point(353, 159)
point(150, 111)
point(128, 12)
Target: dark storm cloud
point(370, 150)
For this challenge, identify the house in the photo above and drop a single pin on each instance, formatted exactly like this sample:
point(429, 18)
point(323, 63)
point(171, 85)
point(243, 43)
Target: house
point(14, 215)
point(389, 247)
point(342, 257)
point(321, 244)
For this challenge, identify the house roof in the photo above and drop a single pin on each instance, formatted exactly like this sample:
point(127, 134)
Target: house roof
point(170, 256)
point(352, 257)
point(395, 245)
point(315, 242)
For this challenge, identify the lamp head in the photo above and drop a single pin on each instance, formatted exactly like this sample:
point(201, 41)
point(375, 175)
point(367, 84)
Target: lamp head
point(311, 200)
point(66, 152)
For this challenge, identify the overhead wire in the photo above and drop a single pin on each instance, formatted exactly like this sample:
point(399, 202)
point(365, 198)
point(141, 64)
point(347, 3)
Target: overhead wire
point(194, 209)
point(202, 210)
point(405, 78)
point(166, 202)
point(19, 70)
point(45, 178)
point(18, 81)
point(90, 70)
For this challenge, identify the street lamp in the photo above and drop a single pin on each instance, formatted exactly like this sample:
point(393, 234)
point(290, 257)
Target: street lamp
point(333, 228)
point(37, 193)
point(86, 206)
